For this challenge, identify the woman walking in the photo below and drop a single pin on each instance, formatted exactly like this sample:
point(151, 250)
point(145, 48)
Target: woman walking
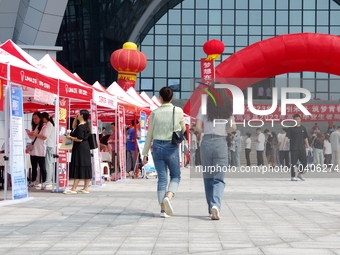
point(50, 145)
point(80, 166)
point(214, 150)
point(38, 152)
point(163, 121)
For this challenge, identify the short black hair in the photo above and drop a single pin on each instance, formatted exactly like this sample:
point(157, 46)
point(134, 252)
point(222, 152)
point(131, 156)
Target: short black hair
point(191, 129)
point(166, 93)
point(104, 128)
point(296, 116)
point(258, 129)
point(113, 123)
point(285, 129)
point(133, 122)
point(266, 131)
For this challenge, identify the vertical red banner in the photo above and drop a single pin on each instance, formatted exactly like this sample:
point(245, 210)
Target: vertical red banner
point(1, 96)
point(121, 141)
point(207, 71)
point(62, 160)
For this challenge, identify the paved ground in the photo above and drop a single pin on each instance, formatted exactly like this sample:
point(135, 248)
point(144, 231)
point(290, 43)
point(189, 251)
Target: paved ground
point(259, 216)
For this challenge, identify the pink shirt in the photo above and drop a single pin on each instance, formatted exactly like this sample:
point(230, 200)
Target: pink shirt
point(111, 142)
point(39, 147)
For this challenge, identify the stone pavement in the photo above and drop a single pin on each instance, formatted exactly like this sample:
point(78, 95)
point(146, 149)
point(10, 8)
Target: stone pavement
point(259, 216)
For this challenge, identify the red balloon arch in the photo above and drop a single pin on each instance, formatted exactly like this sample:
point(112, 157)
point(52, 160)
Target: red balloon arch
point(289, 53)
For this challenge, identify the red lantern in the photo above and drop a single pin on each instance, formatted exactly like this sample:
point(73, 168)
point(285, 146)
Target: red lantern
point(128, 61)
point(213, 48)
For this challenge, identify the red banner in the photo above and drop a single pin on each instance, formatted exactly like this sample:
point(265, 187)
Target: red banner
point(1, 96)
point(320, 112)
point(62, 160)
point(207, 70)
point(33, 80)
point(121, 141)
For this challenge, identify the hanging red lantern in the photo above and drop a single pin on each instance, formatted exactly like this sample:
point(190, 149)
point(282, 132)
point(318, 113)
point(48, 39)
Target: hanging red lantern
point(128, 61)
point(213, 48)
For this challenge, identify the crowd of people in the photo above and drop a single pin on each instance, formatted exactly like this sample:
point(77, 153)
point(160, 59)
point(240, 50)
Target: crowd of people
point(205, 145)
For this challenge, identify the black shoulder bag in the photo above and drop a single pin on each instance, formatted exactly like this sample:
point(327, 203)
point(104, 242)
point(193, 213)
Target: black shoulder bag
point(177, 136)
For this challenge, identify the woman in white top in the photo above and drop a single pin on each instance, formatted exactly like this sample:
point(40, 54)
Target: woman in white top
point(39, 149)
point(327, 150)
point(214, 150)
point(50, 145)
point(163, 121)
point(247, 145)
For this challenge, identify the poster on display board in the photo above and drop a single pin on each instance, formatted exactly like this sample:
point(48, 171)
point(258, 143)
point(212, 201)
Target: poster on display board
point(63, 154)
point(142, 125)
point(17, 155)
point(96, 174)
point(121, 142)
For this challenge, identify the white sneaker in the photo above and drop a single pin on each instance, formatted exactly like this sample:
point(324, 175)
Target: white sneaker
point(300, 177)
point(168, 206)
point(215, 214)
point(164, 215)
point(293, 179)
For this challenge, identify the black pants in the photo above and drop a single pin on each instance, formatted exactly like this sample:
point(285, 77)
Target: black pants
point(247, 156)
point(259, 156)
point(284, 158)
point(35, 160)
point(298, 155)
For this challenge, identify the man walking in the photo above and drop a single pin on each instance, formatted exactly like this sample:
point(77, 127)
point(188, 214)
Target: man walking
point(335, 143)
point(298, 142)
point(237, 139)
point(260, 140)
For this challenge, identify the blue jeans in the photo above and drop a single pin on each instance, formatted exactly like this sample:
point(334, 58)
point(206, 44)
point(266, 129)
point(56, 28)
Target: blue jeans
point(49, 165)
point(166, 155)
point(192, 157)
point(236, 158)
point(214, 151)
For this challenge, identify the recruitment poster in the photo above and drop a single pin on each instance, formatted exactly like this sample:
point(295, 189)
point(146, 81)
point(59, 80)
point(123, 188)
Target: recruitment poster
point(96, 174)
point(121, 141)
point(62, 160)
point(17, 149)
point(142, 125)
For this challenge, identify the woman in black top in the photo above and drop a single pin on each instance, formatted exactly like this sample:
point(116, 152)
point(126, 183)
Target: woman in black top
point(80, 166)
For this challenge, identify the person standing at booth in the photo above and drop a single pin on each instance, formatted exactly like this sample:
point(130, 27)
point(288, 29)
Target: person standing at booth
point(131, 148)
point(50, 145)
point(38, 152)
point(80, 165)
point(162, 123)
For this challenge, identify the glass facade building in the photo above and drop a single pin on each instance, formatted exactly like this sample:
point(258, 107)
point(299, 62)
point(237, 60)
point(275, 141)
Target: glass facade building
point(173, 40)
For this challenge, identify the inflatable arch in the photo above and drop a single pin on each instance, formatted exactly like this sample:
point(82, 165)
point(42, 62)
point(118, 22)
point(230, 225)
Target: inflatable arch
point(289, 53)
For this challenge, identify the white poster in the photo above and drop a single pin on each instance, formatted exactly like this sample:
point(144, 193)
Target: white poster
point(17, 148)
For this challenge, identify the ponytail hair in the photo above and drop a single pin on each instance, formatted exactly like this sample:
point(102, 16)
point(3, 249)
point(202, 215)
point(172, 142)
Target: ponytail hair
point(48, 117)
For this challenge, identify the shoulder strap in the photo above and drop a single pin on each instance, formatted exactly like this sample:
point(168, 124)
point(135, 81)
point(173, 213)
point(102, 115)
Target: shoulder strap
point(36, 137)
point(173, 119)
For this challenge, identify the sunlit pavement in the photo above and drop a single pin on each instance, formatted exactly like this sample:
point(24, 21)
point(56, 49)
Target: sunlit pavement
point(259, 216)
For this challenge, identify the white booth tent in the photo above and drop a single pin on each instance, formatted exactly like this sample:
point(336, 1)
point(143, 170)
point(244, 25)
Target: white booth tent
point(36, 87)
